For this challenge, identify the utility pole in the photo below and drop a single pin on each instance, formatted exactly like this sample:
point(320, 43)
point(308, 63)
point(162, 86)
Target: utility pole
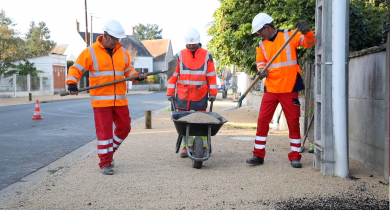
point(91, 35)
point(86, 24)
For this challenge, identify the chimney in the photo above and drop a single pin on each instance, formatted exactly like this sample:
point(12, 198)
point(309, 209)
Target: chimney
point(131, 31)
point(77, 26)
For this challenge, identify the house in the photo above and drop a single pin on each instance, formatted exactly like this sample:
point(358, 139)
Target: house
point(161, 50)
point(141, 58)
point(54, 76)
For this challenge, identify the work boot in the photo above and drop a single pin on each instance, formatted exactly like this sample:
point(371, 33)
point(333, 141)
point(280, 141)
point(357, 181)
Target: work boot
point(296, 163)
point(112, 163)
point(255, 160)
point(183, 153)
point(107, 171)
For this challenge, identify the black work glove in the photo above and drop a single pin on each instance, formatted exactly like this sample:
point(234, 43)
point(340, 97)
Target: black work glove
point(211, 98)
point(140, 79)
point(170, 98)
point(73, 87)
point(303, 27)
point(263, 75)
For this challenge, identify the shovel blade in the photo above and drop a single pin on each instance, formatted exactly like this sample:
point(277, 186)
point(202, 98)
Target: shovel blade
point(239, 103)
point(231, 108)
point(171, 67)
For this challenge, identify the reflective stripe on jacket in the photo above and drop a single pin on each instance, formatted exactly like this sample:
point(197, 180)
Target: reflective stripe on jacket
point(195, 78)
point(102, 69)
point(284, 74)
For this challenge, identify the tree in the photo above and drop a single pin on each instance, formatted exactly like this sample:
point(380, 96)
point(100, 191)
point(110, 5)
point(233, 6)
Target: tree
point(11, 46)
point(37, 39)
point(69, 63)
point(4, 20)
point(24, 70)
point(148, 32)
point(233, 43)
point(368, 23)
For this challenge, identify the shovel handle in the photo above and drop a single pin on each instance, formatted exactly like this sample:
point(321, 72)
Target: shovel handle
point(113, 82)
point(272, 60)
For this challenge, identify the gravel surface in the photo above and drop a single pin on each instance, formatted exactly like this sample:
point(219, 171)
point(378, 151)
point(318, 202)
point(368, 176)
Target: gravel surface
point(199, 117)
point(150, 175)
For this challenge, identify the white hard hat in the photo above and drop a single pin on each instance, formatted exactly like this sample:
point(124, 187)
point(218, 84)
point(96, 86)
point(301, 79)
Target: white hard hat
point(192, 36)
point(259, 21)
point(114, 28)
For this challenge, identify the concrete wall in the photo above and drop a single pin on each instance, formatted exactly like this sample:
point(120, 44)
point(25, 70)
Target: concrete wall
point(145, 87)
point(387, 115)
point(368, 91)
point(253, 99)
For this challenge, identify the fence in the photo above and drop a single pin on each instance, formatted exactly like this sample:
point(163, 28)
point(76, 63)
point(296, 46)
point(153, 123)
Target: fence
point(21, 86)
point(151, 83)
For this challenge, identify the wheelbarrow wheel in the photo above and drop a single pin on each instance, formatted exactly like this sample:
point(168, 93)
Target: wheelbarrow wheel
point(197, 152)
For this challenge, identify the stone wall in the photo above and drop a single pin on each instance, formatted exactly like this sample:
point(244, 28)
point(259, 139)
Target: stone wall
point(368, 108)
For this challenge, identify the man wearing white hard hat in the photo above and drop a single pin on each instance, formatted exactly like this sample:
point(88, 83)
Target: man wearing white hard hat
point(194, 79)
point(282, 83)
point(107, 61)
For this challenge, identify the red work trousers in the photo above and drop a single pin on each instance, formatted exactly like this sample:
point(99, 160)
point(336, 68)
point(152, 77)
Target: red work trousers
point(291, 108)
point(109, 141)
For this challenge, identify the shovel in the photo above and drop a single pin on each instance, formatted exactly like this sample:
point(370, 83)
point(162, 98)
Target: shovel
point(171, 68)
point(307, 133)
point(258, 77)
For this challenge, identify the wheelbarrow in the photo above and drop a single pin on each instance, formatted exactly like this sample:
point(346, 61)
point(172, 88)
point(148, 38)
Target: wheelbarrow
point(185, 129)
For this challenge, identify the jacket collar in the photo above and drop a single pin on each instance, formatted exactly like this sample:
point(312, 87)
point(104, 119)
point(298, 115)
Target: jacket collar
point(191, 53)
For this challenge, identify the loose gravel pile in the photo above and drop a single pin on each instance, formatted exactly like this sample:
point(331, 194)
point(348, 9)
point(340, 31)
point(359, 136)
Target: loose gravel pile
point(199, 117)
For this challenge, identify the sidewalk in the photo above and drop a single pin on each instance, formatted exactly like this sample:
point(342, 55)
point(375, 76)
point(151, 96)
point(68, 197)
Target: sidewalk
point(150, 175)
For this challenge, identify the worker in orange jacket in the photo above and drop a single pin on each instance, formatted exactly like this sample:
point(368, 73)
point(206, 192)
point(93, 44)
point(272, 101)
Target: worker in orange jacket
point(283, 81)
point(106, 61)
point(194, 78)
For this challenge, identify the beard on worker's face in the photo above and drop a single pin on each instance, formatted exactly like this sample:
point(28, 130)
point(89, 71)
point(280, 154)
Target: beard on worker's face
point(193, 48)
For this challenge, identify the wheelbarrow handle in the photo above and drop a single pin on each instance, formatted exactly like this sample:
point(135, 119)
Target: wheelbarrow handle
point(173, 104)
point(211, 106)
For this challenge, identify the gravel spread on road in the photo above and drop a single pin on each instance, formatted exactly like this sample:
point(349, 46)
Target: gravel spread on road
point(150, 175)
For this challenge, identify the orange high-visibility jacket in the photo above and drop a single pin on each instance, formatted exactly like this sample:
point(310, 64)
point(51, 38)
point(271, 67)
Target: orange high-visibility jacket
point(102, 69)
point(284, 74)
point(195, 78)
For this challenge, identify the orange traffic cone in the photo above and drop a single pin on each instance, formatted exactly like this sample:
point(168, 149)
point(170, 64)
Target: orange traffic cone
point(37, 112)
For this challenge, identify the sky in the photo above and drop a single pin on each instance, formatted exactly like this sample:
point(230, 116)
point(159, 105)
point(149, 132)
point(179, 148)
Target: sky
point(173, 16)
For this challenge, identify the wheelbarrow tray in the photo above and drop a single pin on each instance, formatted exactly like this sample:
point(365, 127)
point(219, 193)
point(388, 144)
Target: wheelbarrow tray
point(197, 128)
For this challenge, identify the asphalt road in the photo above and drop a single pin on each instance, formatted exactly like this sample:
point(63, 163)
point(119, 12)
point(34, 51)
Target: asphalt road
point(28, 145)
